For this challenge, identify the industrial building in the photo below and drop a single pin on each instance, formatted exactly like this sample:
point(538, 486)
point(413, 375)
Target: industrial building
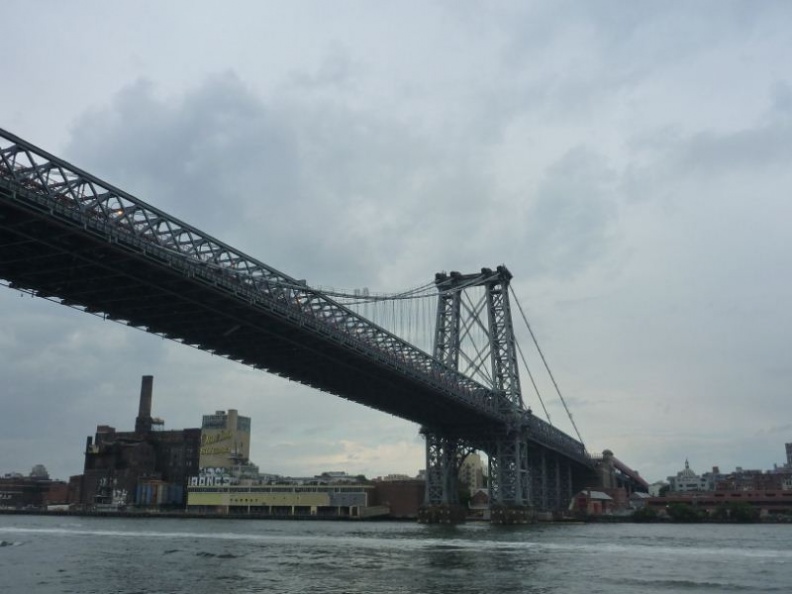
point(145, 467)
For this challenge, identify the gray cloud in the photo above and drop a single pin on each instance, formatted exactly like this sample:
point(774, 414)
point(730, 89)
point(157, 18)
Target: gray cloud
point(628, 164)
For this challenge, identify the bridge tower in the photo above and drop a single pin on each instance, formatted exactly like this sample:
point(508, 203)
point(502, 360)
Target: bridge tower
point(495, 360)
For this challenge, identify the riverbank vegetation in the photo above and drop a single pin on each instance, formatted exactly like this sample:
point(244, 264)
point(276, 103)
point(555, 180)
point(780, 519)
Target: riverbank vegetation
point(735, 512)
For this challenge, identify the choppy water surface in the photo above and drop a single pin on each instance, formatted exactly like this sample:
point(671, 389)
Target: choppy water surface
point(142, 556)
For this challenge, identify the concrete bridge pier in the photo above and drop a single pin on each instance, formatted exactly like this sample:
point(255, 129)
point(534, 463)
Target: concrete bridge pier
point(442, 462)
point(444, 456)
point(508, 515)
point(442, 514)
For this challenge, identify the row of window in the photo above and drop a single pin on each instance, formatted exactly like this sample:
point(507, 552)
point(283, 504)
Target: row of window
point(349, 489)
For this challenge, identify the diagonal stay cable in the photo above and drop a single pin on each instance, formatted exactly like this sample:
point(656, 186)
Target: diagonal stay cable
point(547, 367)
point(533, 382)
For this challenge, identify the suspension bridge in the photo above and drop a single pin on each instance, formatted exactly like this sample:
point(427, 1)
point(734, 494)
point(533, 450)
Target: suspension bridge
point(67, 236)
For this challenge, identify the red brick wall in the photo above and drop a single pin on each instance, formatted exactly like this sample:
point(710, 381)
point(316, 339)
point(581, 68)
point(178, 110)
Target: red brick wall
point(403, 497)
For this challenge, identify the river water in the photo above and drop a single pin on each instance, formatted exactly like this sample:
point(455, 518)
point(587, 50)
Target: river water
point(146, 556)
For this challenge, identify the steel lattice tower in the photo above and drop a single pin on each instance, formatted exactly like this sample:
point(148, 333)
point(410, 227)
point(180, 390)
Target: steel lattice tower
point(507, 449)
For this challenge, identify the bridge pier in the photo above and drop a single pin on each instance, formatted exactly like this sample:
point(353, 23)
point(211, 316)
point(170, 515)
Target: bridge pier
point(444, 456)
point(446, 513)
point(509, 515)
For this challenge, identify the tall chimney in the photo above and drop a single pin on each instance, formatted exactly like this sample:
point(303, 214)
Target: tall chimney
point(143, 421)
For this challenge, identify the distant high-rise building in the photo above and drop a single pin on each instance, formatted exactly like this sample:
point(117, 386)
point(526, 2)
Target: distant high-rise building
point(471, 473)
point(789, 454)
point(225, 440)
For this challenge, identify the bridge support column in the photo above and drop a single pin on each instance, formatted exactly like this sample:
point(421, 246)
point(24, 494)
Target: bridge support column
point(441, 499)
point(558, 483)
point(551, 493)
point(561, 469)
point(510, 480)
point(540, 463)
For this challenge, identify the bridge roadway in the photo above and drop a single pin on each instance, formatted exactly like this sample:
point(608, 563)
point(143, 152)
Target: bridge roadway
point(68, 236)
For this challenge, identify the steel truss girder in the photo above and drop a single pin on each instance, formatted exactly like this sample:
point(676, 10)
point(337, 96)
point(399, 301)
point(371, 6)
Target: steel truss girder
point(42, 182)
point(59, 207)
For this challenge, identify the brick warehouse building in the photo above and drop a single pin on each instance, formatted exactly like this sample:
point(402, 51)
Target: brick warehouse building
point(765, 501)
point(403, 497)
point(17, 492)
point(147, 466)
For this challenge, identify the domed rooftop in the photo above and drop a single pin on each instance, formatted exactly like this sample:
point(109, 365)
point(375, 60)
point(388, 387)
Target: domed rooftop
point(687, 473)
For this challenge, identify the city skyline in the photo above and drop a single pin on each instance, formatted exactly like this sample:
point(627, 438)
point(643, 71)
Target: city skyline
point(686, 467)
point(629, 164)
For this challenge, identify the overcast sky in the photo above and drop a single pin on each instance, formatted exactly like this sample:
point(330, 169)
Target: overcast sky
point(628, 161)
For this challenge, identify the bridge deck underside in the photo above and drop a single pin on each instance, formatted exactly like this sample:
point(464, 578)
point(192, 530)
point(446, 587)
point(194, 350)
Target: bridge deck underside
point(80, 267)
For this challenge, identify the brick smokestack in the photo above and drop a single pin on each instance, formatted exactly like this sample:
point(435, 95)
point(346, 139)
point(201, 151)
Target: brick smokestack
point(143, 421)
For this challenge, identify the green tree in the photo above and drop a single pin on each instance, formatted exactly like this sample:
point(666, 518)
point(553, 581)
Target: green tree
point(736, 511)
point(645, 514)
point(682, 512)
point(721, 513)
point(740, 511)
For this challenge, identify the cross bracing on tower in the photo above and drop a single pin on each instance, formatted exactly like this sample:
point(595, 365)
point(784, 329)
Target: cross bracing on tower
point(472, 357)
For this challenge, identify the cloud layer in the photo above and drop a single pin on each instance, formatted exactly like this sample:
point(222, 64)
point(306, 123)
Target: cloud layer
point(629, 165)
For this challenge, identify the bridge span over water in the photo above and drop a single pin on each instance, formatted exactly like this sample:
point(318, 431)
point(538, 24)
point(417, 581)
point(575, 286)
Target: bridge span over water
point(68, 236)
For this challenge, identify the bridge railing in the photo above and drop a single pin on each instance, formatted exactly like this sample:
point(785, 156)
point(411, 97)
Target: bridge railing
point(51, 184)
point(552, 437)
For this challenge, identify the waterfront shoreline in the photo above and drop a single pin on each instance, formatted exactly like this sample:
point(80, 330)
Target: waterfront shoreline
point(374, 519)
point(195, 516)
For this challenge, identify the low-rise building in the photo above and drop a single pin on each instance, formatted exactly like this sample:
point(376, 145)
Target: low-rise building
point(35, 491)
point(767, 502)
point(592, 503)
point(338, 500)
point(403, 498)
point(638, 500)
point(656, 487)
point(687, 480)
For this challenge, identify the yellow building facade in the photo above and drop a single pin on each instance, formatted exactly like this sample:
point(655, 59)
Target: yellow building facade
point(280, 500)
point(225, 439)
